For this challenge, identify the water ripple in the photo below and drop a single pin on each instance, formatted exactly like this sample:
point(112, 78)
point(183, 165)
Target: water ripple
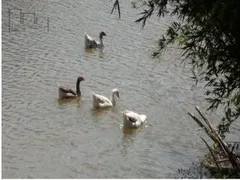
point(47, 138)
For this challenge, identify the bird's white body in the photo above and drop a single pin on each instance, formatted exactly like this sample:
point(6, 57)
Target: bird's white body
point(92, 43)
point(132, 119)
point(100, 101)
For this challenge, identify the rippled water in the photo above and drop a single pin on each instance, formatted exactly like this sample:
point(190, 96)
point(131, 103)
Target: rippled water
point(46, 138)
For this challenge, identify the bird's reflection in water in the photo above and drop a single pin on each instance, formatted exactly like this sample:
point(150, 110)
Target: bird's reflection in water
point(128, 131)
point(101, 53)
point(99, 111)
point(69, 100)
point(127, 143)
point(115, 109)
point(89, 50)
point(92, 50)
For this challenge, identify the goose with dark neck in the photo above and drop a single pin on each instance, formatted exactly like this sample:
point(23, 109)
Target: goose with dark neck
point(92, 43)
point(64, 92)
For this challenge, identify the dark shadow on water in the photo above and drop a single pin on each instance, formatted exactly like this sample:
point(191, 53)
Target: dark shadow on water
point(195, 171)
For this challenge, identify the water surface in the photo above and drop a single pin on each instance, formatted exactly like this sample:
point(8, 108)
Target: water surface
point(43, 137)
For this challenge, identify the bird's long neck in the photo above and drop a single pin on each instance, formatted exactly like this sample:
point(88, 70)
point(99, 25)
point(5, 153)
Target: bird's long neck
point(78, 92)
point(101, 41)
point(113, 98)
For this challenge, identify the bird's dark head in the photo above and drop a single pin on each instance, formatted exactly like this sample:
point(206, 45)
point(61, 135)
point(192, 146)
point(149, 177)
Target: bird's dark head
point(80, 78)
point(102, 34)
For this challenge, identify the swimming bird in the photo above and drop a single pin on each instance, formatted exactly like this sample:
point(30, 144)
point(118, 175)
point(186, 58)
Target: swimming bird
point(64, 92)
point(91, 43)
point(100, 101)
point(132, 119)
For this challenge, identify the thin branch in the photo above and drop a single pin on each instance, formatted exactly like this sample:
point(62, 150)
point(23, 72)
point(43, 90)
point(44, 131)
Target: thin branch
point(222, 160)
point(204, 118)
point(116, 5)
point(202, 126)
point(146, 14)
point(212, 154)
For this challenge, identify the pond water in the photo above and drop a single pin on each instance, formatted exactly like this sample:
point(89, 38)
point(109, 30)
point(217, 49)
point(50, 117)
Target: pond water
point(43, 137)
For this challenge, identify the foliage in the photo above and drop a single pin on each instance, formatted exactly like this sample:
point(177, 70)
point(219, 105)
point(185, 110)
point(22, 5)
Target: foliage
point(208, 33)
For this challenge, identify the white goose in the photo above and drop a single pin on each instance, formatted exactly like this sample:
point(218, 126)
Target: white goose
point(100, 101)
point(91, 43)
point(132, 119)
point(64, 92)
